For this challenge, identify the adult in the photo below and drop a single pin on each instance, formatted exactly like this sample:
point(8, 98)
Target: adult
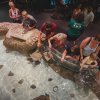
point(88, 16)
point(76, 28)
point(33, 31)
point(26, 19)
point(90, 45)
point(48, 28)
point(14, 13)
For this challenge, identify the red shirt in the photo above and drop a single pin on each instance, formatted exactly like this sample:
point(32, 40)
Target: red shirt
point(43, 28)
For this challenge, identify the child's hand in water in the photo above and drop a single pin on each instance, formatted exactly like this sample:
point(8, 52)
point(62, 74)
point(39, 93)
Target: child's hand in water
point(62, 59)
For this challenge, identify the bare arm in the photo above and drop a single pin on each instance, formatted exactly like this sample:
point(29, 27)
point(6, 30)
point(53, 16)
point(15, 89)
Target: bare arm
point(70, 57)
point(63, 55)
point(98, 50)
point(95, 64)
point(49, 41)
point(10, 14)
point(82, 45)
point(39, 39)
point(50, 35)
point(19, 13)
point(83, 63)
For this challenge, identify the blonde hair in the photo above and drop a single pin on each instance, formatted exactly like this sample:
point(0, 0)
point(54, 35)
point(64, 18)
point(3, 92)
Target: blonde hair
point(24, 12)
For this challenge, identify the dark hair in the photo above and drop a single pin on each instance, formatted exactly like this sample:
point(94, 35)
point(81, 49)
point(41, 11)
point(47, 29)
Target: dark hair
point(97, 37)
point(32, 23)
point(77, 51)
point(80, 18)
point(89, 9)
point(48, 25)
point(93, 55)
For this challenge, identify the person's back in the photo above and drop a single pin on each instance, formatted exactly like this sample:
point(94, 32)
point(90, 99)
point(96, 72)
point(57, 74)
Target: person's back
point(88, 16)
point(90, 45)
point(48, 28)
point(75, 30)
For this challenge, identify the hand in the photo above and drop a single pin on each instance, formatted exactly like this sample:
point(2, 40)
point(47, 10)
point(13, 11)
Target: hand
point(81, 58)
point(62, 59)
point(39, 45)
point(50, 46)
point(81, 67)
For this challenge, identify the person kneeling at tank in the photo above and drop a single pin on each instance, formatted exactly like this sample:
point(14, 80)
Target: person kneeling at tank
point(57, 41)
point(48, 28)
point(89, 61)
point(71, 53)
point(26, 19)
point(20, 40)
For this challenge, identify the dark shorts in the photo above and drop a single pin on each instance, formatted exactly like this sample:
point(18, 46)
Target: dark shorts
point(60, 49)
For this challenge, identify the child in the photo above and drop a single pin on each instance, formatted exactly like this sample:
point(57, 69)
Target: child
point(72, 54)
point(14, 13)
point(89, 61)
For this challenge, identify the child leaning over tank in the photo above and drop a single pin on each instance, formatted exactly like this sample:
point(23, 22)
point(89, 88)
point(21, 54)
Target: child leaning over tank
point(89, 61)
point(71, 53)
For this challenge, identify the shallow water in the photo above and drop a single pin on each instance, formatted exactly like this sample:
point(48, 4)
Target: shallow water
point(22, 80)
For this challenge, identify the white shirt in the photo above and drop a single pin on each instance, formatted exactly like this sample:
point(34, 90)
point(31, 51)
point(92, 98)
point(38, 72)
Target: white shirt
point(88, 17)
point(14, 13)
point(31, 17)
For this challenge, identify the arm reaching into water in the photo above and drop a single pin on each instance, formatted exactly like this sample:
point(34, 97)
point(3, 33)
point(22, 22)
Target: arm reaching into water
point(63, 55)
point(39, 40)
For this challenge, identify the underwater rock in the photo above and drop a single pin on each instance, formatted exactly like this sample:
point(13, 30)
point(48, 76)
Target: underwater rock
point(1, 66)
point(11, 74)
point(13, 90)
point(50, 79)
point(72, 95)
point(21, 81)
point(33, 86)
